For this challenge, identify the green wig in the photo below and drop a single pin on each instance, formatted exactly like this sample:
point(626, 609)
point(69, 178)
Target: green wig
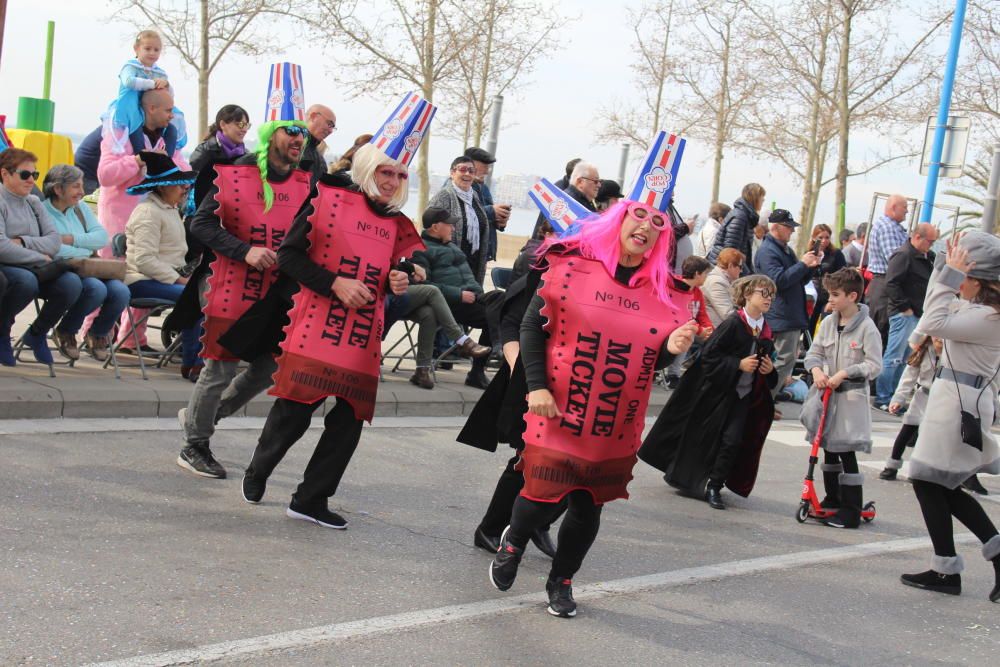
point(263, 144)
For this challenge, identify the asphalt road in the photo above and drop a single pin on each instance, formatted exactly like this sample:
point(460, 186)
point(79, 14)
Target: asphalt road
point(109, 552)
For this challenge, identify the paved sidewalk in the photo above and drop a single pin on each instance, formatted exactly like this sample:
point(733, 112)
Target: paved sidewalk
point(87, 390)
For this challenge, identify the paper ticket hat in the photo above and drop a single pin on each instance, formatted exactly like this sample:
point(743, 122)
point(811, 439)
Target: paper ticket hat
point(654, 182)
point(403, 131)
point(561, 209)
point(285, 99)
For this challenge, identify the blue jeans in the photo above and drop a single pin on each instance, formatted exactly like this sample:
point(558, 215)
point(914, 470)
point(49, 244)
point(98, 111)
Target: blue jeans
point(23, 287)
point(190, 337)
point(111, 296)
point(896, 352)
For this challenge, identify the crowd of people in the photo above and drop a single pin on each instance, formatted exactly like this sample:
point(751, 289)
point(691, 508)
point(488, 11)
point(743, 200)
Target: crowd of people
point(286, 274)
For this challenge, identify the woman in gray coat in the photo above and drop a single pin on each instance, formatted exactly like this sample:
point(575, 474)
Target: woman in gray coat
point(955, 439)
point(460, 199)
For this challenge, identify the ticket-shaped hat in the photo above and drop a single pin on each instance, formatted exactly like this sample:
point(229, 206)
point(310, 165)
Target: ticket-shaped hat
point(561, 209)
point(285, 99)
point(654, 183)
point(405, 128)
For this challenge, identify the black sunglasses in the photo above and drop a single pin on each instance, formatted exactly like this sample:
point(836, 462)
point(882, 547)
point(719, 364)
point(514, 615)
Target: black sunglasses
point(293, 130)
point(24, 174)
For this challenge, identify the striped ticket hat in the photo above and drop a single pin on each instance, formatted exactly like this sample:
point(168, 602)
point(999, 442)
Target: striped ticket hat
point(561, 209)
point(285, 99)
point(403, 131)
point(657, 175)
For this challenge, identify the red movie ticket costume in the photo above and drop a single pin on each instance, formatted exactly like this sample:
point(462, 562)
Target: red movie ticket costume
point(604, 340)
point(330, 349)
point(234, 286)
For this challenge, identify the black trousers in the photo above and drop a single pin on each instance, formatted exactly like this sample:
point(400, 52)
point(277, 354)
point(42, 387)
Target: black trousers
point(907, 437)
point(938, 504)
point(286, 424)
point(730, 442)
point(501, 505)
point(576, 533)
point(848, 459)
point(474, 315)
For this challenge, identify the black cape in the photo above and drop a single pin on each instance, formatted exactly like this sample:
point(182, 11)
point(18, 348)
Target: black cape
point(684, 441)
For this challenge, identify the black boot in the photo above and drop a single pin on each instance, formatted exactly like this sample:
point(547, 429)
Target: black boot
point(831, 484)
point(849, 514)
point(991, 551)
point(891, 470)
point(943, 577)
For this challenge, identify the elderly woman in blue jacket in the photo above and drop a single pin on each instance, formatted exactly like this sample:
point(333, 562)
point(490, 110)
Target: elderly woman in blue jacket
point(82, 236)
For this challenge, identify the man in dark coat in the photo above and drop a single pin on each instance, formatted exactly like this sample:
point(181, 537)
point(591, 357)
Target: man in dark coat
point(448, 269)
point(87, 157)
point(320, 123)
point(787, 317)
point(496, 214)
point(906, 280)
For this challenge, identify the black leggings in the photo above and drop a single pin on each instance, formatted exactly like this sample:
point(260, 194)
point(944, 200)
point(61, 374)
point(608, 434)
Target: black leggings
point(939, 504)
point(907, 437)
point(576, 533)
point(848, 459)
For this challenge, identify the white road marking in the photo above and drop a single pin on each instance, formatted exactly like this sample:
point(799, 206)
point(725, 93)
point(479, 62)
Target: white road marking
point(337, 632)
point(797, 438)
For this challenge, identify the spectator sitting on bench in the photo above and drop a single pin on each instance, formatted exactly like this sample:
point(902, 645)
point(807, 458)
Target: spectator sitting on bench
point(448, 269)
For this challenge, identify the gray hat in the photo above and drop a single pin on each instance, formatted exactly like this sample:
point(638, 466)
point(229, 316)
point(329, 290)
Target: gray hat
point(984, 250)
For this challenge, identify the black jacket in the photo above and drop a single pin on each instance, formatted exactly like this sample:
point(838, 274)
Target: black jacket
point(906, 279)
point(311, 160)
point(737, 232)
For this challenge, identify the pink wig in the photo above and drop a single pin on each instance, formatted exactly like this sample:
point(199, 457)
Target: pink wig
point(599, 237)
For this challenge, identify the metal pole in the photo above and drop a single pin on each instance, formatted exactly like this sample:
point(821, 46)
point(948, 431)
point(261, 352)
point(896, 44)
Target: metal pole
point(491, 143)
point(947, 84)
point(623, 165)
point(49, 40)
point(992, 191)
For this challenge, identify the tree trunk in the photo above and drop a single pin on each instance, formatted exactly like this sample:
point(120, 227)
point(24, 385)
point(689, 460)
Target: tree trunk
point(720, 115)
point(484, 77)
point(810, 192)
point(428, 92)
point(843, 108)
point(3, 20)
point(203, 75)
point(663, 74)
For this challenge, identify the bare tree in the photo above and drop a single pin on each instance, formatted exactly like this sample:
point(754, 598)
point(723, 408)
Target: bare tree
point(637, 120)
point(204, 31)
point(394, 45)
point(505, 51)
point(884, 85)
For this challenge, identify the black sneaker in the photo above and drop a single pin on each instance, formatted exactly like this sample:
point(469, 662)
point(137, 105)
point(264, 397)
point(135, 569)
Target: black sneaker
point(253, 490)
point(319, 515)
point(503, 569)
point(888, 474)
point(561, 602)
point(199, 460)
point(949, 584)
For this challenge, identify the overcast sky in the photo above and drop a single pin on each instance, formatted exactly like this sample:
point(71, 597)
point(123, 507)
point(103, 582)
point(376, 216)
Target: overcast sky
point(550, 119)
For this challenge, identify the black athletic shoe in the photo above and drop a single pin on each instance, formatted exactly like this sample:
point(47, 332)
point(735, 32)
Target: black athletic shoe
point(561, 602)
point(320, 515)
point(888, 474)
point(950, 584)
point(199, 460)
point(253, 490)
point(503, 569)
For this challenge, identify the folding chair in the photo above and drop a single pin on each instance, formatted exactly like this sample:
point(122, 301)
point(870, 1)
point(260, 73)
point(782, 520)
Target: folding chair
point(20, 346)
point(153, 307)
point(501, 277)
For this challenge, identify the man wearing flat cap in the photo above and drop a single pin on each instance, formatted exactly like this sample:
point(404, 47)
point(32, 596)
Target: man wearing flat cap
point(787, 316)
point(496, 214)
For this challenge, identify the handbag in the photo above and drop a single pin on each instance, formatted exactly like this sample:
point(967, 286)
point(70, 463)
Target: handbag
point(49, 270)
point(94, 266)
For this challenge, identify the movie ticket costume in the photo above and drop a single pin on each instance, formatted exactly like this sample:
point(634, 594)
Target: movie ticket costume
point(330, 349)
point(233, 285)
point(604, 342)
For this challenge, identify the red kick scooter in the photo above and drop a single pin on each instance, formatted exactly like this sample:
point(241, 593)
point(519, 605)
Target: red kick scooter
point(809, 507)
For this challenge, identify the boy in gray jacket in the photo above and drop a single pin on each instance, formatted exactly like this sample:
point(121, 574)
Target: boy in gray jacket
point(845, 355)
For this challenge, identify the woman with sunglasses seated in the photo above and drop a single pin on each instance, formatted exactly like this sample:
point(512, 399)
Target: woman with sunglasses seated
point(460, 199)
point(28, 240)
point(155, 245)
point(603, 318)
